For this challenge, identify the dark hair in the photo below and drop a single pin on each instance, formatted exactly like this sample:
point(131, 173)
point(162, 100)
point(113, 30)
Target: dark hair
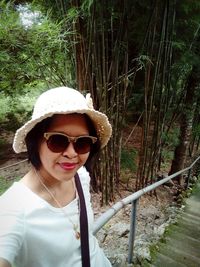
point(35, 136)
point(33, 140)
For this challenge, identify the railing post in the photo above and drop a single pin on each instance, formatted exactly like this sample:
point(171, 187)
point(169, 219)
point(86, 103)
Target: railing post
point(132, 230)
point(188, 178)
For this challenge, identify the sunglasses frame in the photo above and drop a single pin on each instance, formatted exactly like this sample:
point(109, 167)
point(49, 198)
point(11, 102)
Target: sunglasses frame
point(71, 139)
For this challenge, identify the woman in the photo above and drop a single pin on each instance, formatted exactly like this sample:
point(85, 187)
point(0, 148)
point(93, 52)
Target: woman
point(39, 215)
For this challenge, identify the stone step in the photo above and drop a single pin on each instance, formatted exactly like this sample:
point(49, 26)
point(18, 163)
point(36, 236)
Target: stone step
point(181, 246)
point(186, 230)
point(165, 261)
point(181, 249)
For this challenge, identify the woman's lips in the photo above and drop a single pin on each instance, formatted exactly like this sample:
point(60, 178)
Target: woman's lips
point(68, 166)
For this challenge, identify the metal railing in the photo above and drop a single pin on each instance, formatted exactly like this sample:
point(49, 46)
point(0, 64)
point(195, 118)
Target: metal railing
point(133, 199)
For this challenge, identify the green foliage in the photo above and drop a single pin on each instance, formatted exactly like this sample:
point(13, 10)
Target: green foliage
point(12, 116)
point(4, 104)
point(196, 130)
point(167, 156)
point(86, 6)
point(171, 138)
point(5, 184)
point(37, 53)
point(72, 14)
point(12, 35)
point(16, 110)
point(128, 157)
point(185, 41)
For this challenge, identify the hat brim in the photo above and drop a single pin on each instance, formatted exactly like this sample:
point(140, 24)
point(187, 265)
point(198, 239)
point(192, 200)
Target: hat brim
point(100, 121)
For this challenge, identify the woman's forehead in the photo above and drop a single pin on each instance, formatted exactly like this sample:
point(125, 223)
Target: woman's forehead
point(67, 122)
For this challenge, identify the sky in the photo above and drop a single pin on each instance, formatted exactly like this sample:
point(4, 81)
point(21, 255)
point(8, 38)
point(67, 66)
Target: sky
point(28, 17)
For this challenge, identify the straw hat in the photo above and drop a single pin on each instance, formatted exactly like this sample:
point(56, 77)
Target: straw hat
point(63, 100)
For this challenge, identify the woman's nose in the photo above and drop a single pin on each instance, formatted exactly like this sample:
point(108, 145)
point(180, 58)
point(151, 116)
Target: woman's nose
point(70, 151)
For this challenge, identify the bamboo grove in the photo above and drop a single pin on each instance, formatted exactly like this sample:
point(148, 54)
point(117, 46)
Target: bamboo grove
point(139, 58)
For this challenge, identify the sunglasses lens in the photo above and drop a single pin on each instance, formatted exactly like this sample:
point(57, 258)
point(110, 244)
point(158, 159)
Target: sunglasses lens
point(57, 143)
point(83, 145)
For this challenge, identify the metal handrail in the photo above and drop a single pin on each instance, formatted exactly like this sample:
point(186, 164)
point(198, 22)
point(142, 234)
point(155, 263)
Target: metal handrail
point(133, 198)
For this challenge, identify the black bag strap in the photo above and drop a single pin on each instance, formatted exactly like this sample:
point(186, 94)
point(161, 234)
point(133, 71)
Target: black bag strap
point(85, 252)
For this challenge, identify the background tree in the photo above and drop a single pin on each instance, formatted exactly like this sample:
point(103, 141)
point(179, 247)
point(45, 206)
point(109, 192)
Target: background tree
point(188, 111)
point(186, 81)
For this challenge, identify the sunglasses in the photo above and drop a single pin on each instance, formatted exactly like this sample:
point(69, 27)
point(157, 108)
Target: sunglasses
point(58, 142)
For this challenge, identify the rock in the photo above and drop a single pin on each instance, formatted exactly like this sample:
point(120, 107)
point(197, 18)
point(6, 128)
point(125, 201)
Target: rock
point(142, 250)
point(121, 229)
point(160, 230)
point(119, 260)
point(193, 180)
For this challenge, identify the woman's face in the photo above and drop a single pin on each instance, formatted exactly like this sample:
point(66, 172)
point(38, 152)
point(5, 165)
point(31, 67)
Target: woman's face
point(62, 166)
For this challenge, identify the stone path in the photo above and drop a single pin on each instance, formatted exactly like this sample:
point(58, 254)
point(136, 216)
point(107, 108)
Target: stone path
point(182, 246)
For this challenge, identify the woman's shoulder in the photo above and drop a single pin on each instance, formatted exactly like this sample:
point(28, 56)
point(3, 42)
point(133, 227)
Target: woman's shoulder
point(10, 192)
point(84, 175)
point(13, 197)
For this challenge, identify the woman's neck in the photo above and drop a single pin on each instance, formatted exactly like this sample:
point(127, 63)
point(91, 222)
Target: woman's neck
point(63, 191)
